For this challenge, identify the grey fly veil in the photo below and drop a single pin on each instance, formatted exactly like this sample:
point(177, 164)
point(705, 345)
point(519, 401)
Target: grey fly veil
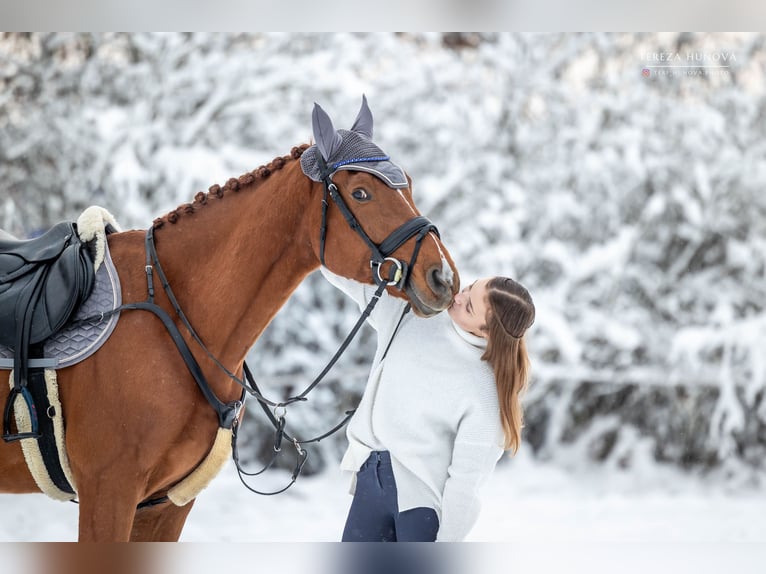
point(349, 149)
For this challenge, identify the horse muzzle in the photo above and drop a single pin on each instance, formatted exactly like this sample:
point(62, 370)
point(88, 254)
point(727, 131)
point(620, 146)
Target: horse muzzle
point(442, 283)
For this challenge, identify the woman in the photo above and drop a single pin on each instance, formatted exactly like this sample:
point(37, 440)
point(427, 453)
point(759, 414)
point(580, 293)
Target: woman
point(441, 404)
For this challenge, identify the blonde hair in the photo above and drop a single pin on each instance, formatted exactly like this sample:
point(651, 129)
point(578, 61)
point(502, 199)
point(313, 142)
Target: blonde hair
point(510, 312)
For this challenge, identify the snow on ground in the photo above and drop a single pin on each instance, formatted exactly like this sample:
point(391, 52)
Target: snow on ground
point(525, 502)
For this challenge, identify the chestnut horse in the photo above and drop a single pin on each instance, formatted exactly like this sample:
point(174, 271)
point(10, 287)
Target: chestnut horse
point(136, 421)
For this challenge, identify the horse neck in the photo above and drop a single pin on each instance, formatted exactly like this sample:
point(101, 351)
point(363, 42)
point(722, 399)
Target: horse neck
point(234, 262)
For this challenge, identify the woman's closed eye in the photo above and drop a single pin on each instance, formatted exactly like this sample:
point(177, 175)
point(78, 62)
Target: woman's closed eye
point(469, 306)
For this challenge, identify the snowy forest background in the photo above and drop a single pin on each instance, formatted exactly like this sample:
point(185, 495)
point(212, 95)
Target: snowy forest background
point(632, 207)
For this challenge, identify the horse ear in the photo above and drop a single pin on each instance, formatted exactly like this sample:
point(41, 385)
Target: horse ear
point(328, 140)
point(363, 122)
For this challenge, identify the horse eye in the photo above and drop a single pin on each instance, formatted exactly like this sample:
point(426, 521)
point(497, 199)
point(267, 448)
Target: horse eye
point(360, 194)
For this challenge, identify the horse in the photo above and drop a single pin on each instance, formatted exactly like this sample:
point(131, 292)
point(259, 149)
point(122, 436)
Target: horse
point(136, 422)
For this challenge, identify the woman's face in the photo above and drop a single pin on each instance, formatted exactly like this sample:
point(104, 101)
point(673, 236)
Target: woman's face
point(469, 308)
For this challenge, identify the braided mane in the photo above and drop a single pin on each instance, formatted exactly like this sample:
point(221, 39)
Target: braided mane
point(234, 184)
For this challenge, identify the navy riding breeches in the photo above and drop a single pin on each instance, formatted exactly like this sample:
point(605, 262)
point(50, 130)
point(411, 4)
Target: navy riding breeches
point(374, 515)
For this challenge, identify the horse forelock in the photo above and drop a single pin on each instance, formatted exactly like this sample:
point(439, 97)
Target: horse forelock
point(232, 185)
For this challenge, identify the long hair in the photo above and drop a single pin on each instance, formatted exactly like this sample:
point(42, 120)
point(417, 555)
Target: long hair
point(510, 312)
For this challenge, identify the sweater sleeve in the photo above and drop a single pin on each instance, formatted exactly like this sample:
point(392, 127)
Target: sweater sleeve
point(386, 312)
point(471, 465)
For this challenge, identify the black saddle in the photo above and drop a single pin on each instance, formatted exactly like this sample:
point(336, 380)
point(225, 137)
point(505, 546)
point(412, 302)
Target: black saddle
point(43, 281)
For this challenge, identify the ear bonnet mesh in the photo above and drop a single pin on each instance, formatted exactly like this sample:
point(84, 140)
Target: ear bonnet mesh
point(356, 153)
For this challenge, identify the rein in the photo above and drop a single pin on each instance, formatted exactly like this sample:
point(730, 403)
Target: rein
point(279, 425)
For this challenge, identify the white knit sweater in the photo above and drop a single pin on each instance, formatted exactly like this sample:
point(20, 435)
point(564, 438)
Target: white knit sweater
point(432, 403)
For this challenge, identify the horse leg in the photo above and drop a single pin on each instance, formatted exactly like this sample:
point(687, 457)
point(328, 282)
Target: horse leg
point(105, 516)
point(160, 523)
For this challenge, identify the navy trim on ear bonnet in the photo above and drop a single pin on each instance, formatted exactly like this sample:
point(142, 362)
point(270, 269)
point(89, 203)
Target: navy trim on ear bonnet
point(349, 149)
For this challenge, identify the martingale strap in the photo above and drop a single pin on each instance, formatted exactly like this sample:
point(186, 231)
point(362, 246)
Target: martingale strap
point(153, 264)
point(227, 412)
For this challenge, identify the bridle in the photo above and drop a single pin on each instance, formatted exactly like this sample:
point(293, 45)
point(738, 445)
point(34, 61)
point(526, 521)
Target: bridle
point(379, 253)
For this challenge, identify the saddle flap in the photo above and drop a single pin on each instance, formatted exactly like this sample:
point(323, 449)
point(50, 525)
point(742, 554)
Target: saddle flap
point(69, 282)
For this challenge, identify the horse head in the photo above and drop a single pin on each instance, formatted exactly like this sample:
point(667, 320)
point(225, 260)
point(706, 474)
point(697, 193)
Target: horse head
point(371, 230)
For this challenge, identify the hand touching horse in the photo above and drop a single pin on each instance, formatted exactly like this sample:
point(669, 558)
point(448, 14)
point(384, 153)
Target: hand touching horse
point(136, 422)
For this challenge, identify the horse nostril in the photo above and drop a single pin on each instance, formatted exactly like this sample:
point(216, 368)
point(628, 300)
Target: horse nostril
point(438, 283)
